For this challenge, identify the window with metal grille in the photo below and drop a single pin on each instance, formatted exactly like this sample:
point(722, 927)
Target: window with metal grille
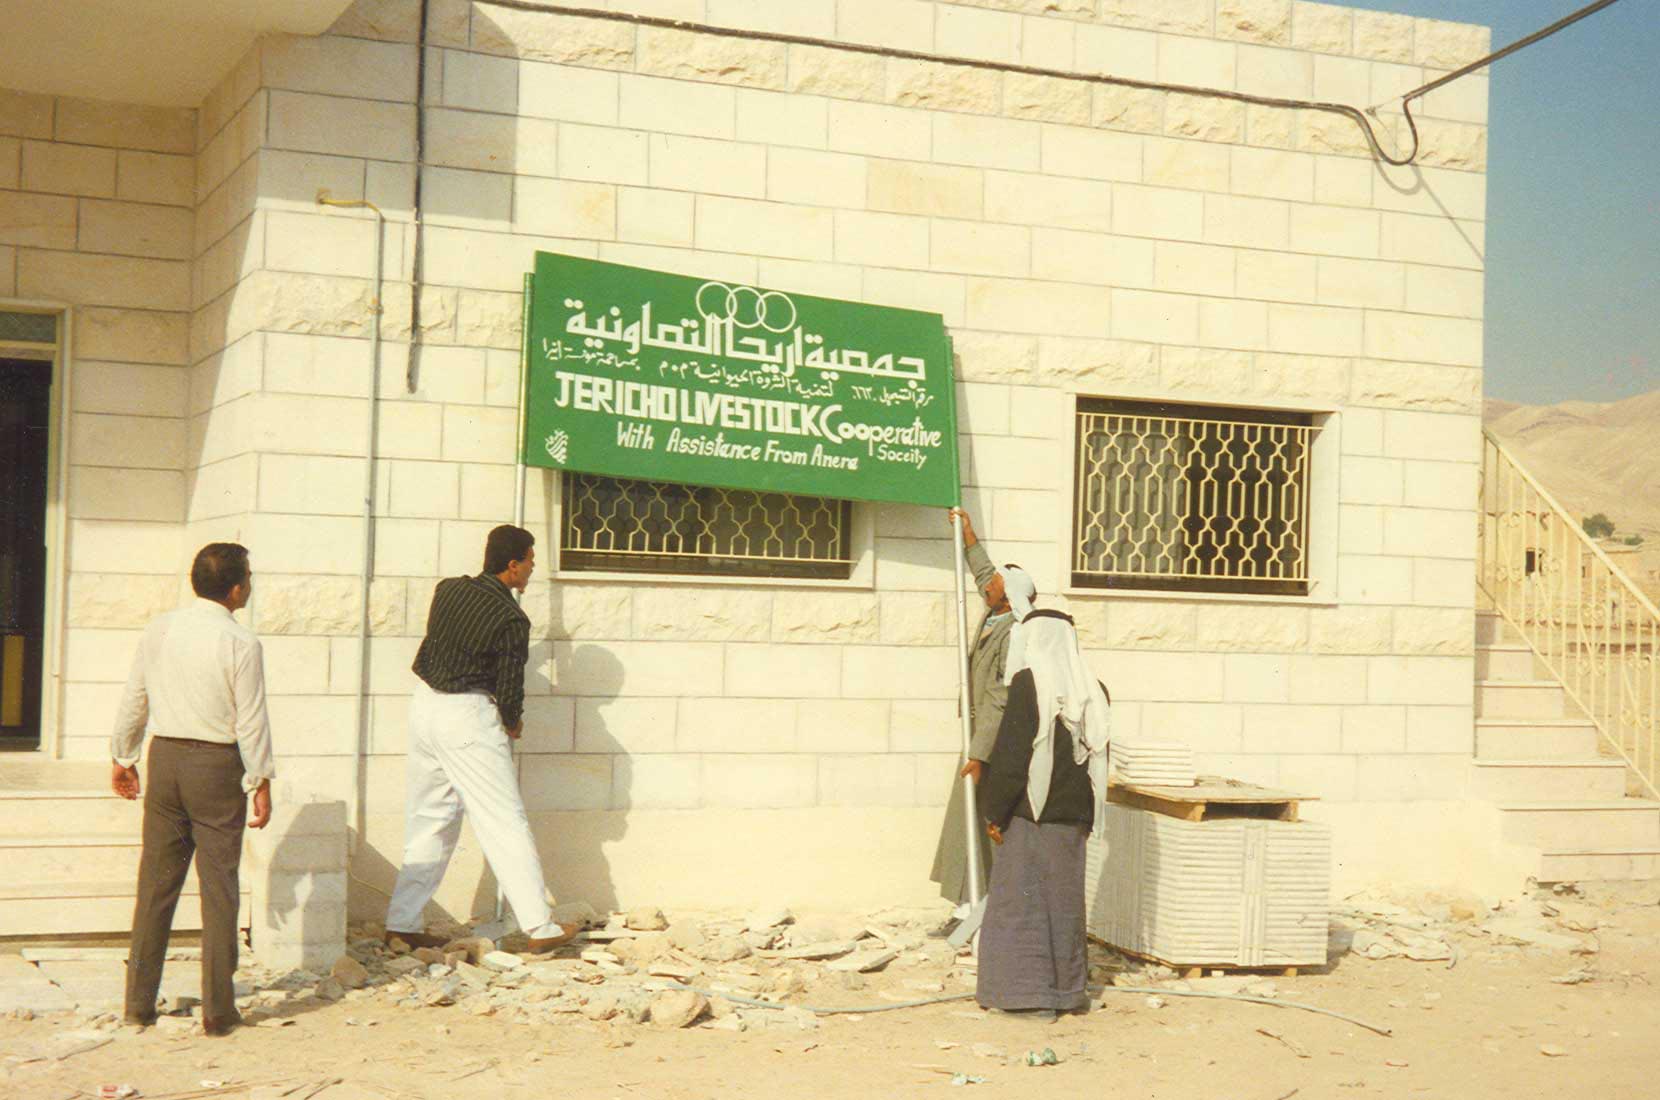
point(1191, 498)
point(619, 525)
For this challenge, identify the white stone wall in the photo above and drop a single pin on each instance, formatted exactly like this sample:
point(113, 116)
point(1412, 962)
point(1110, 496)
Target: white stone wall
point(1076, 238)
point(95, 214)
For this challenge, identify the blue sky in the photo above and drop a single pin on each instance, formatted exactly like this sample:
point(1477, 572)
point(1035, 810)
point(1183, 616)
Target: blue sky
point(1573, 198)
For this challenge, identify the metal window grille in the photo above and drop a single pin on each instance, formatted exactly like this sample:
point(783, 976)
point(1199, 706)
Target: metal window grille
point(1191, 498)
point(29, 328)
point(621, 525)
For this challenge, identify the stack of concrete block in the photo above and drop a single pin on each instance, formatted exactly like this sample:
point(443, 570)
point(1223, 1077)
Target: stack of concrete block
point(1153, 763)
point(1228, 892)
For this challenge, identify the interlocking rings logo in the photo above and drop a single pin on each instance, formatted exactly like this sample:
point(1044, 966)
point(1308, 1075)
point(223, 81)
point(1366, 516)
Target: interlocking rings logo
point(744, 307)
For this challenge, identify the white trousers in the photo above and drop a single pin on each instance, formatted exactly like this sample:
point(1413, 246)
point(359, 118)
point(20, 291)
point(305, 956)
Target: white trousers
point(460, 760)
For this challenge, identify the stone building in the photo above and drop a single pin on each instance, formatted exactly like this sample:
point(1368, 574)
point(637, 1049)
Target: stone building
point(1154, 296)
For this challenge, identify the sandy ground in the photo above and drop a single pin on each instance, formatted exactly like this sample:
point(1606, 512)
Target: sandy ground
point(1464, 1032)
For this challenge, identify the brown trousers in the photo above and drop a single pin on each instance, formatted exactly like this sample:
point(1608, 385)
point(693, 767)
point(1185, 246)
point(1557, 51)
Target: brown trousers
point(193, 805)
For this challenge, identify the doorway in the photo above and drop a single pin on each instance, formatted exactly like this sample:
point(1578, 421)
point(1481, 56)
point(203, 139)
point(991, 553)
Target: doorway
point(25, 410)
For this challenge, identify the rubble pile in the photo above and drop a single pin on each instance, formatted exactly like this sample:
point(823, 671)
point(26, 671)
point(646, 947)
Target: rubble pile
point(641, 967)
point(1444, 930)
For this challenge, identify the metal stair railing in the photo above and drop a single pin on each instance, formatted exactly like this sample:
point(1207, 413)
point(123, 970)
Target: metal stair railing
point(1592, 627)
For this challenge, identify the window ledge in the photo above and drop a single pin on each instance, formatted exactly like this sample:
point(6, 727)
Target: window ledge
point(1313, 599)
point(862, 580)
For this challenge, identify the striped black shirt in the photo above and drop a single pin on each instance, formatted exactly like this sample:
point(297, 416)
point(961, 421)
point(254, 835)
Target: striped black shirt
point(477, 639)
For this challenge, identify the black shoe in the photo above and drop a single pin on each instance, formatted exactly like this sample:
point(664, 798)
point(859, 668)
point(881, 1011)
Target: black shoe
point(222, 1026)
point(134, 1019)
point(1036, 1015)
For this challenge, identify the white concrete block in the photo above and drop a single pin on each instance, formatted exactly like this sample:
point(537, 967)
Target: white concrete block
point(784, 671)
point(1091, 154)
point(892, 672)
point(657, 782)
point(97, 492)
point(625, 726)
point(1443, 582)
point(1196, 62)
point(567, 92)
point(1179, 162)
point(1158, 213)
point(407, 548)
point(882, 131)
point(1155, 317)
point(677, 107)
point(980, 248)
point(840, 726)
point(567, 782)
point(1247, 222)
point(1420, 338)
point(903, 24)
point(1276, 276)
point(1322, 679)
point(346, 127)
point(925, 726)
point(815, 179)
point(1423, 435)
point(884, 779)
point(1023, 198)
point(603, 154)
point(1116, 51)
point(1273, 174)
point(1280, 73)
point(977, 33)
point(768, 229)
point(341, 66)
point(1372, 729)
point(1374, 580)
point(987, 142)
point(1039, 308)
point(736, 725)
point(310, 484)
point(1292, 729)
point(1075, 256)
point(1256, 677)
point(760, 781)
point(1314, 330)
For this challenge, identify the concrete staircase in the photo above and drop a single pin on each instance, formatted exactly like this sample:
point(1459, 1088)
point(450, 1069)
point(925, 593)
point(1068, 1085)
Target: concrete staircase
point(1539, 759)
point(69, 852)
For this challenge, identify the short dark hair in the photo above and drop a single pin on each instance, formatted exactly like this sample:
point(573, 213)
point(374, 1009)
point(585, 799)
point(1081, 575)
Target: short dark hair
point(506, 545)
point(218, 568)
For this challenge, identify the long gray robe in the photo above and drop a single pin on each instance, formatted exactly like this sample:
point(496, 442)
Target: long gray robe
point(988, 695)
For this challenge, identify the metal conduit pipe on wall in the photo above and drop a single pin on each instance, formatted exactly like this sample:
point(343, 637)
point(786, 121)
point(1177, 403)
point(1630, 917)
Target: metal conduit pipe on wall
point(366, 571)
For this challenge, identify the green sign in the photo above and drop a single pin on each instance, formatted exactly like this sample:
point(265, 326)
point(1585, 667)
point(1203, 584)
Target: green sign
point(643, 374)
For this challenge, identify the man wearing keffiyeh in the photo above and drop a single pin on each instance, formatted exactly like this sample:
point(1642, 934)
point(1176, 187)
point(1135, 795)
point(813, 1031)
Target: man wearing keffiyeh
point(1044, 781)
point(1009, 592)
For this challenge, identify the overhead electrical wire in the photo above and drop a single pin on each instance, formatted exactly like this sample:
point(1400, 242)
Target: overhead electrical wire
point(1361, 118)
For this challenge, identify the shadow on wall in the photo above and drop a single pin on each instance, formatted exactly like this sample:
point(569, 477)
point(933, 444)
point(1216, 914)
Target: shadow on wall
point(577, 800)
point(297, 864)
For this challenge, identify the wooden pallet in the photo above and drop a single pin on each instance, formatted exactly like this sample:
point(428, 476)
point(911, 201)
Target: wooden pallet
point(1211, 798)
point(1190, 971)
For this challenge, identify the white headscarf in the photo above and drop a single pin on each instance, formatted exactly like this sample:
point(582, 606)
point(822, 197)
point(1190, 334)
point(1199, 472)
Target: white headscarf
point(1068, 691)
point(1020, 590)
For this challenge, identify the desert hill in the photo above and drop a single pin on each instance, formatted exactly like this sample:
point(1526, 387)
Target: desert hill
point(1594, 457)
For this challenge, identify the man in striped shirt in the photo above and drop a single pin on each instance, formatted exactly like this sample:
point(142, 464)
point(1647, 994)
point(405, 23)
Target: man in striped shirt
point(467, 706)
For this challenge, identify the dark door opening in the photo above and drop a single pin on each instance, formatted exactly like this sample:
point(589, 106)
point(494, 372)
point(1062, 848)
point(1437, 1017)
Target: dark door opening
point(25, 401)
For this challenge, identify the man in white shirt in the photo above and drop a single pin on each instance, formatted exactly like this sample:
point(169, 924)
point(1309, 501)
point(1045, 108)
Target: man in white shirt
point(197, 685)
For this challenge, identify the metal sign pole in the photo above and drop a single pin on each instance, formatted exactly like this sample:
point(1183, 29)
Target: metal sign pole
point(971, 813)
point(519, 521)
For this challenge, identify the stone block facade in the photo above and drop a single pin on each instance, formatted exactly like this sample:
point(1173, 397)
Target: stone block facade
point(1079, 238)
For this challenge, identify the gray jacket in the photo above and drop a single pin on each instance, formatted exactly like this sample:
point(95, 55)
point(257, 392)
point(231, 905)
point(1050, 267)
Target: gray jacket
point(988, 648)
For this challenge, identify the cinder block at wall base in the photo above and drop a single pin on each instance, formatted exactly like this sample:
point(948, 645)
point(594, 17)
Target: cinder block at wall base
point(296, 869)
